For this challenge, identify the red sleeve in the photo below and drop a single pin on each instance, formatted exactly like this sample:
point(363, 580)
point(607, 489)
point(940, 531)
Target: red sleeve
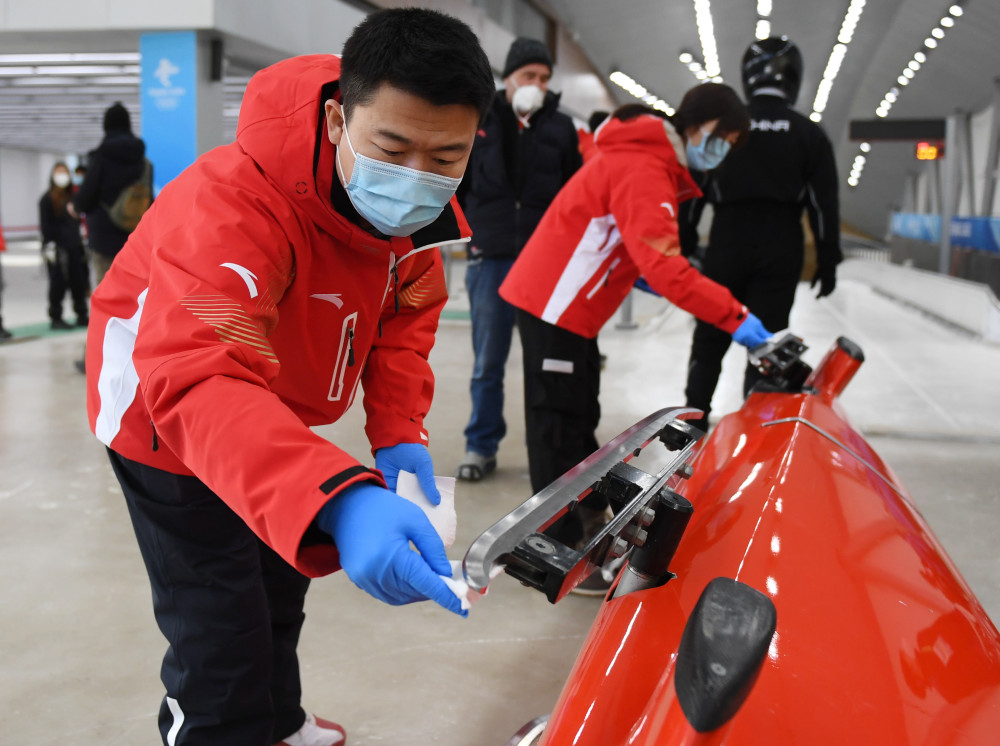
point(644, 203)
point(207, 385)
point(397, 380)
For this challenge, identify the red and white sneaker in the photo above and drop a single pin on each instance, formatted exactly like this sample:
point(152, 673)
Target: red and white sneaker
point(316, 732)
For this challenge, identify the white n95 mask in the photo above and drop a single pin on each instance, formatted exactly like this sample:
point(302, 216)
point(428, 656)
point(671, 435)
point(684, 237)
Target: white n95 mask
point(397, 200)
point(527, 100)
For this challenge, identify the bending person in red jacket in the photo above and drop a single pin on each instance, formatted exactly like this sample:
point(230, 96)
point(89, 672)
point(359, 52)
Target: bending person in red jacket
point(268, 281)
point(615, 220)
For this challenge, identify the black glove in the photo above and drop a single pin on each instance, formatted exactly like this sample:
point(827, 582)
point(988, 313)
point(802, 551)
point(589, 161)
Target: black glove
point(827, 279)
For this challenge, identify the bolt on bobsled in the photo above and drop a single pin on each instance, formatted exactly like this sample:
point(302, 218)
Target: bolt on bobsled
point(779, 585)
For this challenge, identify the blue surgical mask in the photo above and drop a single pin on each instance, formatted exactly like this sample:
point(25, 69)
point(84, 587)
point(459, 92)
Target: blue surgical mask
point(708, 153)
point(396, 200)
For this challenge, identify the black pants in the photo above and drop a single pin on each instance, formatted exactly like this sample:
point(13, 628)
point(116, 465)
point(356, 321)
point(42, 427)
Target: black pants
point(68, 272)
point(757, 252)
point(229, 606)
point(562, 383)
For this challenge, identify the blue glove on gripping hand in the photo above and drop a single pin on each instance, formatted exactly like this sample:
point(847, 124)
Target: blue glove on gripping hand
point(751, 333)
point(372, 528)
point(411, 457)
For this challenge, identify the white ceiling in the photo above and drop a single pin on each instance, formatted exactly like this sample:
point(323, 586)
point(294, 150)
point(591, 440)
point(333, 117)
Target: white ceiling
point(641, 37)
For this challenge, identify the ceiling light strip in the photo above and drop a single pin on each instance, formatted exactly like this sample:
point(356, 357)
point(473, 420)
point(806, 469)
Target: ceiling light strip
point(763, 28)
point(836, 59)
point(908, 73)
point(69, 58)
point(706, 33)
point(640, 92)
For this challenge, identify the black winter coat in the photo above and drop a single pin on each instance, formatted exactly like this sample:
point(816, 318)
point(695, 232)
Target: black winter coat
point(62, 229)
point(117, 162)
point(514, 174)
point(787, 165)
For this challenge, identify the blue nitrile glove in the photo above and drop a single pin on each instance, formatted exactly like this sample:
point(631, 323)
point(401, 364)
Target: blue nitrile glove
point(641, 284)
point(372, 528)
point(411, 457)
point(751, 333)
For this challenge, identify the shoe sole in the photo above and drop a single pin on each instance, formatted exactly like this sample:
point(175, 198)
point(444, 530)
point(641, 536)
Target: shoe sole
point(473, 472)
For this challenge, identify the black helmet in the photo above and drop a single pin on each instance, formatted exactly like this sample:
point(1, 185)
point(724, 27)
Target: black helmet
point(774, 62)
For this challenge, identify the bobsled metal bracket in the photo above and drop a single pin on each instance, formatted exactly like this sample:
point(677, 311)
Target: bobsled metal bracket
point(517, 543)
point(780, 363)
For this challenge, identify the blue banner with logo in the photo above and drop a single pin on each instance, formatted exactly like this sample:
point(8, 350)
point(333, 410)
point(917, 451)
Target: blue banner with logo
point(169, 102)
point(982, 234)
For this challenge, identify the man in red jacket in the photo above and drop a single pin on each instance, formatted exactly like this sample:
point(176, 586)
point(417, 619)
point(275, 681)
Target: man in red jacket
point(267, 282)
point(615, 220)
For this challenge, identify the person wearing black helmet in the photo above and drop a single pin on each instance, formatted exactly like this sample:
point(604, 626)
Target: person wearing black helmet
point(756, 241)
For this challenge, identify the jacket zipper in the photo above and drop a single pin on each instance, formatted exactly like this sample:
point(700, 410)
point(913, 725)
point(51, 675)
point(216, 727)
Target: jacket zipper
point(395, 282)
point(603, 282)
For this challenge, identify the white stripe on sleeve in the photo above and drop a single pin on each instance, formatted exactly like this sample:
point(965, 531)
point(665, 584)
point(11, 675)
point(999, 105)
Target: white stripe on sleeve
point(118, 381)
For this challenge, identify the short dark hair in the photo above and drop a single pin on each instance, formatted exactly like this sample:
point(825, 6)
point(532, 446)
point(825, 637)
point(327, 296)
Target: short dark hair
point(631, 111)
point(709, 101)
point(423, 52)
point(597, 118)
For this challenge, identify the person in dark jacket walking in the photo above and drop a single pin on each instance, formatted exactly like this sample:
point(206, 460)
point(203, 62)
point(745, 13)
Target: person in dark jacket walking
point(755, 243)
point(62, 247)
point(525, 152)
point(120, 160)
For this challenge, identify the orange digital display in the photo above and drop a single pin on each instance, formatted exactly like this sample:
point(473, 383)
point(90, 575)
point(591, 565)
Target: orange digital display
point(929, 151)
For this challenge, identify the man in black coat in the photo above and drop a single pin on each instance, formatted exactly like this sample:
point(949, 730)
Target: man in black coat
point(524, 153)
point(759, 193)
point(120, 160)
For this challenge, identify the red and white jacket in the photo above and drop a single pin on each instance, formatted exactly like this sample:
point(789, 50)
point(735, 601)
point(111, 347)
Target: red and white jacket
point(245, 308)
point(615, 219)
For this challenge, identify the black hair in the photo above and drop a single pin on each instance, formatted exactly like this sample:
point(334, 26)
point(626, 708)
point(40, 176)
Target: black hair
point(423, 52)
point(596, 119)
point(631, 111)
point(709, 101)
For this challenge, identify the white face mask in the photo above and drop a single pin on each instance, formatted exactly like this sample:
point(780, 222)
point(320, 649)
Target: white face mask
point(526, 100)
point(61, 179)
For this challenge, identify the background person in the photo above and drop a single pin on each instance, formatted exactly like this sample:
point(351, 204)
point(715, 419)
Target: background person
point(118, 161)
point(586, 136)
point(62, 249)
point(755, 245)
point(570, 278)
point(268, 281)
point(525, 151)
point(4, 333)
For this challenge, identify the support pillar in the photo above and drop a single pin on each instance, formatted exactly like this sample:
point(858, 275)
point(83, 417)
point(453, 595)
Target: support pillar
point(948, 190)
point(991, 164)
point(182, 105)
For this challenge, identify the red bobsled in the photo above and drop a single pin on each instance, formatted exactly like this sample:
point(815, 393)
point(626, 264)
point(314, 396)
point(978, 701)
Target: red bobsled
point(780, 586)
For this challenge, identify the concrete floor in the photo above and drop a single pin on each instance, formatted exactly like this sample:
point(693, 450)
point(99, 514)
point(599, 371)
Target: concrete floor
point(81, 652)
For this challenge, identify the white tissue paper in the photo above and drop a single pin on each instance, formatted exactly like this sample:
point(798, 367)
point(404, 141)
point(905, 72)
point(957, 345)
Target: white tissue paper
point(444, 518)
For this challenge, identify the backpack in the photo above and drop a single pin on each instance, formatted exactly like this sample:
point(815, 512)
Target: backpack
point(133, 201)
